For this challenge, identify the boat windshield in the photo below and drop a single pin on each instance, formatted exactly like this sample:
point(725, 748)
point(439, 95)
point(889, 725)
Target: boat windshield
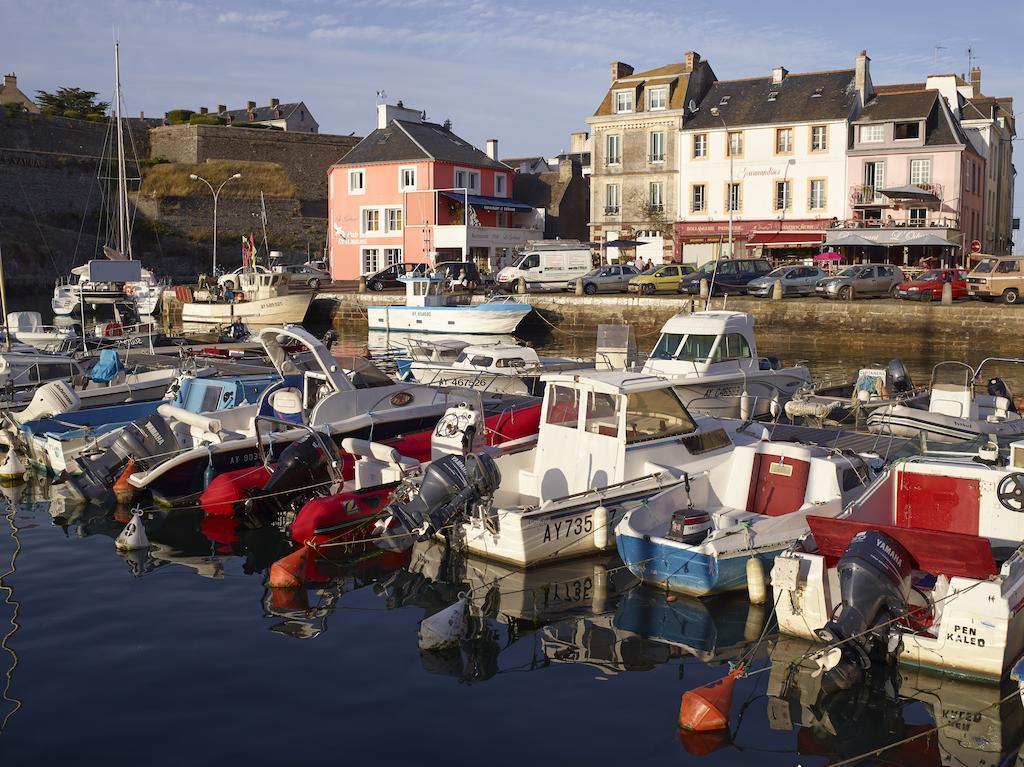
point(952, 375)
point(656, 414)
point(362, 373)
point(685, 347)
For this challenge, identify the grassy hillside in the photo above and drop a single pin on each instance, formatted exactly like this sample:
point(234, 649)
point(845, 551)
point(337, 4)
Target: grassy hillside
point(172, 179)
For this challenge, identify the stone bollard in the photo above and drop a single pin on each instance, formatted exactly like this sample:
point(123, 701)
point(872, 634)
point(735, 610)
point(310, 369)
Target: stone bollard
point(521, 286)
point(849, 295)
point(947, 294)
point(362, 284)
point(777, 290)
point(579, 287)
point(704, 288)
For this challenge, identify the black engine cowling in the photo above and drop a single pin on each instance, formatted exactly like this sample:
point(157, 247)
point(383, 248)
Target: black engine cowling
point(874, 584)
point(997, 387)
point(899, 377)
point(302, 472)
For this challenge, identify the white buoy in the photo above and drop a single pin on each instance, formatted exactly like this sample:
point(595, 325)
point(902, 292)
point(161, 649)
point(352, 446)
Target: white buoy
point(744, 405)
point(600, 603)
point(12, 469)
point(755, 581)
point(133, 536)
point(601, 535)
point(445, 628)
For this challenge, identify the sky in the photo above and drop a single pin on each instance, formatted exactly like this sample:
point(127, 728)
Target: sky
point(525, 72)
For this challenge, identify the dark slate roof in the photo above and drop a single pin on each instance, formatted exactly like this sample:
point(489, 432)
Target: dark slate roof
point(403, 141)
point(899, 88)
point(799, 98)
point(675, 76)
point(264, 113)
point(912, 105)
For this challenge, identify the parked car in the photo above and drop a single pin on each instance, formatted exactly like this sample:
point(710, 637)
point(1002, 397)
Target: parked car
point(730, 277)
point(229, 281)
point(547, 267)
point(388, 278)
point(303, 275)
point(613, 278)
point(661, 278)
point(863, 280)
point(928, 285)
point(997, 277)
point(796, 281)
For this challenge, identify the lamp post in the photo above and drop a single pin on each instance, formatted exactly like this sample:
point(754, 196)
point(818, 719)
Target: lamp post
point(716, 112)
point(216, 194)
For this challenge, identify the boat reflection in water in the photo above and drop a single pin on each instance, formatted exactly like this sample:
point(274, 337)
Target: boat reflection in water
point(969, 725)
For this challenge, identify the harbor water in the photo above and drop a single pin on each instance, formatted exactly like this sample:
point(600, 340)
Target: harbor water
point(182, 655)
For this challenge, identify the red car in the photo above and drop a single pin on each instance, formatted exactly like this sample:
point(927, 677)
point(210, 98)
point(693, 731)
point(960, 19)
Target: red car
point(928, 285)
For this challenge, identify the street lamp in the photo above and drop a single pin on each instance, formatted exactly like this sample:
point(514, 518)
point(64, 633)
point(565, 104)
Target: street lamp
point(716, 112)
point(216, 194)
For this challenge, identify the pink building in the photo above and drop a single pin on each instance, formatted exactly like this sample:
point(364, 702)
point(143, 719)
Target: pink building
point(414, 192)
point(916, 180)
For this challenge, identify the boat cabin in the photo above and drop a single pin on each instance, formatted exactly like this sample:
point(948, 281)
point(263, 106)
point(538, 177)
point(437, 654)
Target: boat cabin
point(260, 285)
point(497, 358)
point(706, 343)
point(429, 291)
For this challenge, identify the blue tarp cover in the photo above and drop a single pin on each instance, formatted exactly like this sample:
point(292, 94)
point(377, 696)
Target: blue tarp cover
point(107, 367)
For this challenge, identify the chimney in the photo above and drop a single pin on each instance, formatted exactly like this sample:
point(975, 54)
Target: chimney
point(275, 103)
point(142, 115)
point(691, 59)
point(222, 108)
point(620, 70)
point(492, 148)
point(779, 74)
point(204, 111)
point(976, 80)
point(862, 78)
point(447, 124)
point(567, 168)
point(387, 112)
point(11, 80)
point(251, 106)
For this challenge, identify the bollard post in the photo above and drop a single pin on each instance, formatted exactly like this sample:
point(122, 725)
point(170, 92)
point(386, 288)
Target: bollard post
point(362, 284)
point(579, 287)
point(777, 290)
point(521, 286)
point(704, 288)
point(947, 294)
point(849, 295)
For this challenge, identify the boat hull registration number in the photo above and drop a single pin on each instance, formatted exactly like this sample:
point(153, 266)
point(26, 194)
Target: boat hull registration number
point(570, 527)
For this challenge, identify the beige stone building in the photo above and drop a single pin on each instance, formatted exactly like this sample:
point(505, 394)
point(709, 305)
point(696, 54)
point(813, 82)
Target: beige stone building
point(10, 94)
point(635, 169)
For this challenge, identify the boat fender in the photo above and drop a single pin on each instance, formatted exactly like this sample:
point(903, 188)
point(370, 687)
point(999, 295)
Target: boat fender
point(744, 406)
point(600, 601)
point(707, 708)
point(446, 628)
point(601, 528)
point(755, 581)
point(290, 572)
point(123, 489)
point(12, 470)
point(210, 471)
point(133, 537)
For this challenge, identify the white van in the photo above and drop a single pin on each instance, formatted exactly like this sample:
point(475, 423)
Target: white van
point(546, 269)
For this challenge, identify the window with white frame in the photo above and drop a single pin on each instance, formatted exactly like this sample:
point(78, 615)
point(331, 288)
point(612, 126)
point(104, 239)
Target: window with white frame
point(357, 182)
point(734, 147)
point(611, 198)
point(392, 256)
point(918, 216)
point(406, 179)
point(871, 133)
point(816, 194)
point(499, 185)
point(656, 197)
point(783, 199)
point(697, 198)
point(819, 138)
point(657, 98)
point(623, 101)
point(371, 221)
point(920, 171)
point(369, 263)
point(613, 149)
point(783, 140)
point(733, 196)
point(467, 179)
point(700, 146)
point(393, 220)
point(657, 146)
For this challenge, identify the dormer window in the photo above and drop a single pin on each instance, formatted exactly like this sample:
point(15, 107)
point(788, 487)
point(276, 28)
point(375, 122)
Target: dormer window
point(906, 131)
point(773, 95)
point(870, 134)
point(657, 99)
point(623, 102)
point(724, 101)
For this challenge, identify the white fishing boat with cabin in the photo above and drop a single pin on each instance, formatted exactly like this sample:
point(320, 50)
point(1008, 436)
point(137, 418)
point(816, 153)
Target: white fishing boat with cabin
point(261, 299)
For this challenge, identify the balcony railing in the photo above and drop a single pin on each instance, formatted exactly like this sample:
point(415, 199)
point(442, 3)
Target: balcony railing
point(611, 210)
point(865, 194)
point(655, 208)
point(656, 157)
point(862, 194)
point(889, 222)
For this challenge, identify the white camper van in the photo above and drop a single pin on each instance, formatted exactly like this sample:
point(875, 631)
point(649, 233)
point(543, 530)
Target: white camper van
point(547, 267)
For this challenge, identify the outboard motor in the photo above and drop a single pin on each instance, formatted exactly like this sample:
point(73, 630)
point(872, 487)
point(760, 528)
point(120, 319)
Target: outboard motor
point(874, 584)
point(997, 387)
point(302, 472)
point(899, 377)
point(449, 486)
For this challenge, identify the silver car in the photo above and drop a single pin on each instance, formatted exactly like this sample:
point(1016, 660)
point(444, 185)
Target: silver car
point(613, 278)
point(304, 275)
point(863, 280)
point(796, 281)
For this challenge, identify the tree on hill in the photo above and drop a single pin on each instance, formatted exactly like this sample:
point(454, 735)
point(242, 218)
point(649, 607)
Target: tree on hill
point(71, 102)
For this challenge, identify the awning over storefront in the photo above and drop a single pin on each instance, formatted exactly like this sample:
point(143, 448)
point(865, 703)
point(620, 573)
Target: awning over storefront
point(931, 239)
point(498, 204)
point(909, 192)
point(886, 238)
point(785, 239)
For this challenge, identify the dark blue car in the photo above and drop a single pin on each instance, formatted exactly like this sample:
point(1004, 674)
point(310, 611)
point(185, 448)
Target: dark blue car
point(730, 277)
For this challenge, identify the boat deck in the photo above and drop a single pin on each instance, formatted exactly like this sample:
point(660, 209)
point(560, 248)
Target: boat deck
point(840, 439)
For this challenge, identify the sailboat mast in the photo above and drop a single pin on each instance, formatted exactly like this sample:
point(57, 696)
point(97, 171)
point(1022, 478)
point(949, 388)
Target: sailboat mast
point(123, 239)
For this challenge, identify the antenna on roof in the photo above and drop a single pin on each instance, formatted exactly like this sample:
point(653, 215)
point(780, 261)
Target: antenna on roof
point(970, 61)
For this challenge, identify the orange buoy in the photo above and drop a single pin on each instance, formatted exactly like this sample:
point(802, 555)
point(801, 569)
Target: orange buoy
point(707, 708)
point(703, 743)
point(290, 572)
point(123, 489)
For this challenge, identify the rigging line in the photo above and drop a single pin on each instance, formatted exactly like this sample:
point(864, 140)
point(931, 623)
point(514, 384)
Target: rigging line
point(81, 229)
point(35, 220)
point(8, 599)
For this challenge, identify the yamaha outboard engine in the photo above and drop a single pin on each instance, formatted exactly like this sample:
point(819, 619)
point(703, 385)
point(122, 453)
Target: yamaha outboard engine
point(899, 377)
point(874, 584)
point(450, 485)
point(302, 472)
point(997, 387)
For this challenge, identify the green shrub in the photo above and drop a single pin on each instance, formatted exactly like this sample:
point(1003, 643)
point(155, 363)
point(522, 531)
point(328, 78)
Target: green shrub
point(206, 120)
point(253, 126)
point(95, 117)
point(179, 116)
point(12, 108)
point(71, 114)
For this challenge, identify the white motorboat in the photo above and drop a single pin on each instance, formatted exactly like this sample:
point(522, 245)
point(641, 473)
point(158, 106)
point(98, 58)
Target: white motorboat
point(711, 358)
point(261, 299)
point(428, 308)
point(698, 537)
point(956, 412)
point(501, 367)
point(926, 568)
point(28, 328)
